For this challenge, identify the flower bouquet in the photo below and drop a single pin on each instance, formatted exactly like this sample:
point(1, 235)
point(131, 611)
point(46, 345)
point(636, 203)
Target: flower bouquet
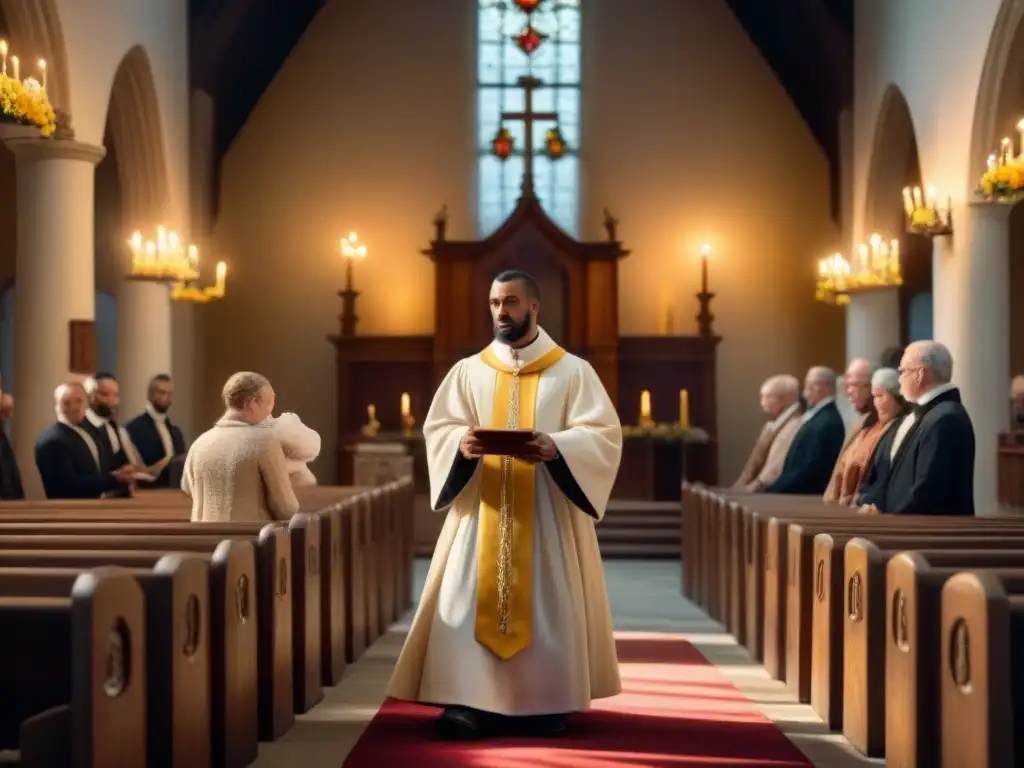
point(25, 109)
point(1003, 182)
point(672, 432)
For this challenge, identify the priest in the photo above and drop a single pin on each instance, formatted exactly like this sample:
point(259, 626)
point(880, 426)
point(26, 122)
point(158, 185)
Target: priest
point(513, 629)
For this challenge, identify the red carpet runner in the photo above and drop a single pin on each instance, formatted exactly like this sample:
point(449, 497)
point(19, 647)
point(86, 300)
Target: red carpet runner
point(675, 709)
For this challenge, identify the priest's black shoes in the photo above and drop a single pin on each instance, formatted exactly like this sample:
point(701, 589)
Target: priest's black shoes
point(543, 725)
point(462, 724)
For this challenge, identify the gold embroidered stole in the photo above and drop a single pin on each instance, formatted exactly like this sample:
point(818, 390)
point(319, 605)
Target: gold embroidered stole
point(504, 598)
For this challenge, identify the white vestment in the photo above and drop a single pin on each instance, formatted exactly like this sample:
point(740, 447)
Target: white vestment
point(571, 658)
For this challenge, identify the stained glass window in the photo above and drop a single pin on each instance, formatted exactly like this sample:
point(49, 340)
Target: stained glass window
point(500, 64)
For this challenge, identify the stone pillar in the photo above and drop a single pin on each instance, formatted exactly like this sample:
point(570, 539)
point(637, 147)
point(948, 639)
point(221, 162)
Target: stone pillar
point(872, 323)
point(143, 340)
point(55, 276)
point(981, 362)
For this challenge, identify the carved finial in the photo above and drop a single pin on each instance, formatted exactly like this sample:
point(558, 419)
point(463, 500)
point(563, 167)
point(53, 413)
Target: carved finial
point(441, 223)
point(611, 225)
point(65, 131)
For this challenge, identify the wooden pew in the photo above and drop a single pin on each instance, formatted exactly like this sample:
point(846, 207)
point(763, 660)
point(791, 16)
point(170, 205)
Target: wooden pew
point(177, 650)
point(864, 631)
point(88, 651)
point(232, 627)
point(982, 684)
point(913, 648)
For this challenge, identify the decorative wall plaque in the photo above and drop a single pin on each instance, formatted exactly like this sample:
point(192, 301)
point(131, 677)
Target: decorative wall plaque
point(82, 347)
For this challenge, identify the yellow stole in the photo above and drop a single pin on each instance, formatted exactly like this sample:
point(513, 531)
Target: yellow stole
point(504, 597)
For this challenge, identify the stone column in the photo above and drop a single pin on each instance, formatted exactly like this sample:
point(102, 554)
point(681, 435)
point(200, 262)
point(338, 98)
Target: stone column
point(55, 276)
point(872, 323)
point(981, 343)
point(143, 340)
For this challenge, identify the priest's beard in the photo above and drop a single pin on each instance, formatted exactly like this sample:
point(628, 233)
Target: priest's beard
point(160, 408)
point(516, 330)
point(102, 410)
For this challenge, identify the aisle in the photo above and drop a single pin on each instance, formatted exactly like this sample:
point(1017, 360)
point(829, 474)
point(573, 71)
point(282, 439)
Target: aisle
point(691, 698)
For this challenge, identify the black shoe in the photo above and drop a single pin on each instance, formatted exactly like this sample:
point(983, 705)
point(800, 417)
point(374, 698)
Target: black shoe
point(544, 725)
point(461, 724)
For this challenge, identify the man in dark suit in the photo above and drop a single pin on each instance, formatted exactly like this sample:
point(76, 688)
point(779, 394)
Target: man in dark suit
point(10, 476)
point(809, 462)
point(932, 451)
point(104, 395)
point(155, 437)
point(68, 457)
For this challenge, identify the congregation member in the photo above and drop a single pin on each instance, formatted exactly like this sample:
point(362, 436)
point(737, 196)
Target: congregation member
point(236, 471)
point(68, 458)
point(301, 445)
point(157, 440)
point(857, 388)
point(10, 475)
point(864, 463)
point(513, 629)
point(104, 394)
point(780, 401)
point(931, 454)
point(816, 445)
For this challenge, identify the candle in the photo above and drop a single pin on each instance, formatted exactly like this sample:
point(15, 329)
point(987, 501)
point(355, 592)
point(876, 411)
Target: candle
point(931, 197)
point(908, 203)
point(16, 67)
point(645, 406)
point(1005, 151)
point(371, 411)
point(992, 162)
point(222, 273)
point(193, 258)
point(918, 203)
point(894, 258)
point(865, 263)
point(684, 408)
point(405, 404)
point(3, 57)
point(705, 251)
point(42, 71)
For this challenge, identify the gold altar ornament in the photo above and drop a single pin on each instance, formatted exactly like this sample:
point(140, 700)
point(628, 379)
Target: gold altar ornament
point(190, 291)
point(408, 421)
point(924, 215)
point(372, 426)
point(646, 420)
point(684, 408)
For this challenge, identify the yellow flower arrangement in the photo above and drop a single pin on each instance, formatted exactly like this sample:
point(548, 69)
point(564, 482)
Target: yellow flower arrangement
point(25, 103)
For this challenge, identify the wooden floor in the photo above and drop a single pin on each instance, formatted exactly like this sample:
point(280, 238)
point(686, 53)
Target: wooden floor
point(645, 597)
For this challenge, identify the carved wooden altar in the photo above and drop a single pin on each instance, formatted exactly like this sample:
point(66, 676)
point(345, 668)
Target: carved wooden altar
point(579, 308)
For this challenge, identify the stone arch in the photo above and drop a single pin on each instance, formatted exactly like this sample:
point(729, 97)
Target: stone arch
point(35, 33)
point(894, 163)
point(998, 105)
point(133, 121)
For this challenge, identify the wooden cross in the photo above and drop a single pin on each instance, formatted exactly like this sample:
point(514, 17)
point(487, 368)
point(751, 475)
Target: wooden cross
point(529, 84)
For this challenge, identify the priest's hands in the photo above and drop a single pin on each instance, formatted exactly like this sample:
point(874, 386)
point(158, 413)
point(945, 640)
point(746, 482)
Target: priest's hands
point(124, 474)
point(868, 509)
point(542, 448)
point(470, 446)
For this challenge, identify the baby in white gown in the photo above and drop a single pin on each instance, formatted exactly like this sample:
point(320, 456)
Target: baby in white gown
point(301, 445)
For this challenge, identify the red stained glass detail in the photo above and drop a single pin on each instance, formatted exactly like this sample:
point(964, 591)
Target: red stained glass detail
point(555, 145)
point(502, 143)
point(529, 39)
point(527, 6)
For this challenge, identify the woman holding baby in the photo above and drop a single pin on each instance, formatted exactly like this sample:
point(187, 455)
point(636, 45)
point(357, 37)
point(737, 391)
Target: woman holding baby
point(245, 467)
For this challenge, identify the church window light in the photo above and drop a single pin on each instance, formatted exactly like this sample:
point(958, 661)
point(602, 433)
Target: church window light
point(555, 61)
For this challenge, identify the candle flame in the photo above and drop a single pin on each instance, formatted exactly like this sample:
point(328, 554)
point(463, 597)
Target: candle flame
point(705, 250)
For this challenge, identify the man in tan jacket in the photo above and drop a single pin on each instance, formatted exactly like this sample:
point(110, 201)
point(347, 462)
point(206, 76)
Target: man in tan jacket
point(857, 388)
point(780, 400)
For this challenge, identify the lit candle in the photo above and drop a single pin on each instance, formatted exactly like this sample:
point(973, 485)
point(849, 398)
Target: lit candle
point(161, 239)
point(931, 199)
point(865, 262)
point(1005, 151)
point(405, 404)
point(705, 252)
point(908, 203)
point(918, 203)
point(3, 57)
point(992, 164)
point(193, 258)
point(42, 71)
point(894, 257)
point(1020, 131)
point(371, 412)
point(16, 67)
point(645, 406)
point(684, 408)
point(222, 273)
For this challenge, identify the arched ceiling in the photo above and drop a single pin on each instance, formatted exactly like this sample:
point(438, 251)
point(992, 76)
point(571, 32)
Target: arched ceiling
point(237, 46)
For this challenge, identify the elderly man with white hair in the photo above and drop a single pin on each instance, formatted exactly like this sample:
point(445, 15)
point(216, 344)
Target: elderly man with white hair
point(816, 446)
point(68, 458)
point(932, 451)
point(857, 388)
point(780, 400)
